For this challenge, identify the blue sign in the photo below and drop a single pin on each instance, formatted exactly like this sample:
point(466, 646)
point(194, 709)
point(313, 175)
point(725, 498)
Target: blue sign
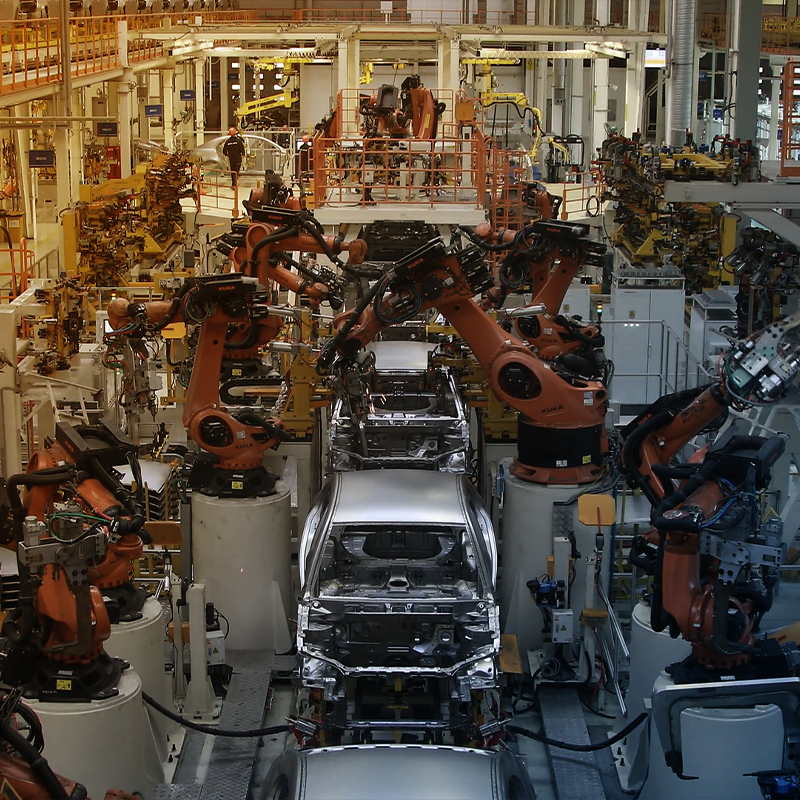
point(717, 113)
point(106, 128)
point(703, 76)
point(153, 111)
point(187, 94)
point(41, 158)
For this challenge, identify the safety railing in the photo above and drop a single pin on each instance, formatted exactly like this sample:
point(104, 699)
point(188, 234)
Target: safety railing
point(670, 367)
point(48, 265)
point(580, 196)
point(95, 45)
point(353, 171)
point(144, 22)
point(778, 34)
point(507, 202)
point(16, 269)
point(30, 52)
point(790, 140)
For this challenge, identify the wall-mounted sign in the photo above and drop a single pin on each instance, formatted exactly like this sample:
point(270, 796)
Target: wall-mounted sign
point(717, 113)
point(153, 111)
point(41, 158)
point(106, 128)
point(187, 94)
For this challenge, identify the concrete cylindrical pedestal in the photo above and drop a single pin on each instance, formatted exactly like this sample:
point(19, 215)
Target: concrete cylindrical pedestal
point(527, 541)
point(241, 551)
point(644, 756)
point(141, 643)
point(103, 744)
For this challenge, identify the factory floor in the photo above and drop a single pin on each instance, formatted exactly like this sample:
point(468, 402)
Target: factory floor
point(197, 757)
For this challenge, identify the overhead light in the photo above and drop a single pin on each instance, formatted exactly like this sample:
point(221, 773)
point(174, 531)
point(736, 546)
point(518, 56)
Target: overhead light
point(235, 65)
point(260, 86)
point(279, 64)
point(277, 87)
point(609, 49)
point(278, 75)
point(260, 74)
point(235, 87)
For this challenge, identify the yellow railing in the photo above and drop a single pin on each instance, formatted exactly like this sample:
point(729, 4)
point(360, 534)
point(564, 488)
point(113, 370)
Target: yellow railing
point(778, 34)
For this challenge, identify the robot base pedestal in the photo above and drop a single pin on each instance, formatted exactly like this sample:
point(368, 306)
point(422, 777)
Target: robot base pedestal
point(241, 551)
point(103, 744)
point(141, 643)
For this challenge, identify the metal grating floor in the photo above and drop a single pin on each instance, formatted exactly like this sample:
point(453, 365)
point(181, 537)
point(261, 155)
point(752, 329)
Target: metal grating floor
point(576, 775)
point(231, 762)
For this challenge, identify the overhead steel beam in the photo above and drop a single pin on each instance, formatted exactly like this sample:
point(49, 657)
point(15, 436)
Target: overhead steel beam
point(744, 195)
point(264, 32)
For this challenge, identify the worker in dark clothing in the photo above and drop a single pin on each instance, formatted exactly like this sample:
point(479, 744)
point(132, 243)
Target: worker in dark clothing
point(234, 150)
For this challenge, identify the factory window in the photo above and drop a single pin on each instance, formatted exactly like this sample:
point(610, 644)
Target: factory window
point(612, 109)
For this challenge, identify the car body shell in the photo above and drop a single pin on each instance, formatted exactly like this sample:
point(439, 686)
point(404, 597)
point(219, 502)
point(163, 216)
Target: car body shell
point(397, 772)
point(416, 415)
point(398, 571)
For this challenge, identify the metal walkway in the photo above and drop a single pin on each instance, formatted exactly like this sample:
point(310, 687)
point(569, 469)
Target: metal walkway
point(576, 775)
point(231, 763)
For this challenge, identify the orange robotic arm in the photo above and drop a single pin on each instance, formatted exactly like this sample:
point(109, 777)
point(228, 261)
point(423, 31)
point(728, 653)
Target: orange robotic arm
point(715, 559)
point(561, 436)
point(237, 442)
point(547, 256)
point(260, 249)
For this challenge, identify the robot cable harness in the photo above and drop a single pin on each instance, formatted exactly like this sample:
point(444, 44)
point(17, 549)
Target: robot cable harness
point(210, 728)
point(579, 748)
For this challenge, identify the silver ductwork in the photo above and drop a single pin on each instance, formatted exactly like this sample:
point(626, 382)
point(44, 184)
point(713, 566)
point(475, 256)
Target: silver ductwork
point(681, 91)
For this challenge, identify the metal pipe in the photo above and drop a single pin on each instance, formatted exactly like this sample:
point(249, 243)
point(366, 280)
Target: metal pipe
point(668, 26)
point(683, 71)
point(66, 58)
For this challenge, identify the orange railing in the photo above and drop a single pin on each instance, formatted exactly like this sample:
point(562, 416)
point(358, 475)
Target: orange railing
point(354, 171)
point(16, 269)
point(790, 139)
point(30, 54)
point(95, 45)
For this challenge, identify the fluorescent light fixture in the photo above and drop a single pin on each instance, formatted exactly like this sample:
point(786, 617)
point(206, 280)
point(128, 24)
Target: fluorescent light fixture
point(277, 87)
point(235, 87)
point(278, 75)
point(279, 64)
point(260, 74)
point(235, 65)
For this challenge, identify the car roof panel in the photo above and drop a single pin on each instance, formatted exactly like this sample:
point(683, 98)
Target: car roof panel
point(400, 772)
point(399, 495)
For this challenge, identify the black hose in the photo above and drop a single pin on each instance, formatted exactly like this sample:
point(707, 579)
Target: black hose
point(246, 734)
point(249, 341)
point(37, 763)
point(137, 520)
point(328, 353)
point(281, 233)
point(579, 748)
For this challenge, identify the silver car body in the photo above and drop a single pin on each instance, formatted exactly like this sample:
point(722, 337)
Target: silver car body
point(415, 417)
point(397, 772)
point(262, 154)
point(398, 569)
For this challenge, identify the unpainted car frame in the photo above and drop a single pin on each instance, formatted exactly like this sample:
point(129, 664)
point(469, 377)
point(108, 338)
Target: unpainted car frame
point(398, 571)
point(412, 414)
